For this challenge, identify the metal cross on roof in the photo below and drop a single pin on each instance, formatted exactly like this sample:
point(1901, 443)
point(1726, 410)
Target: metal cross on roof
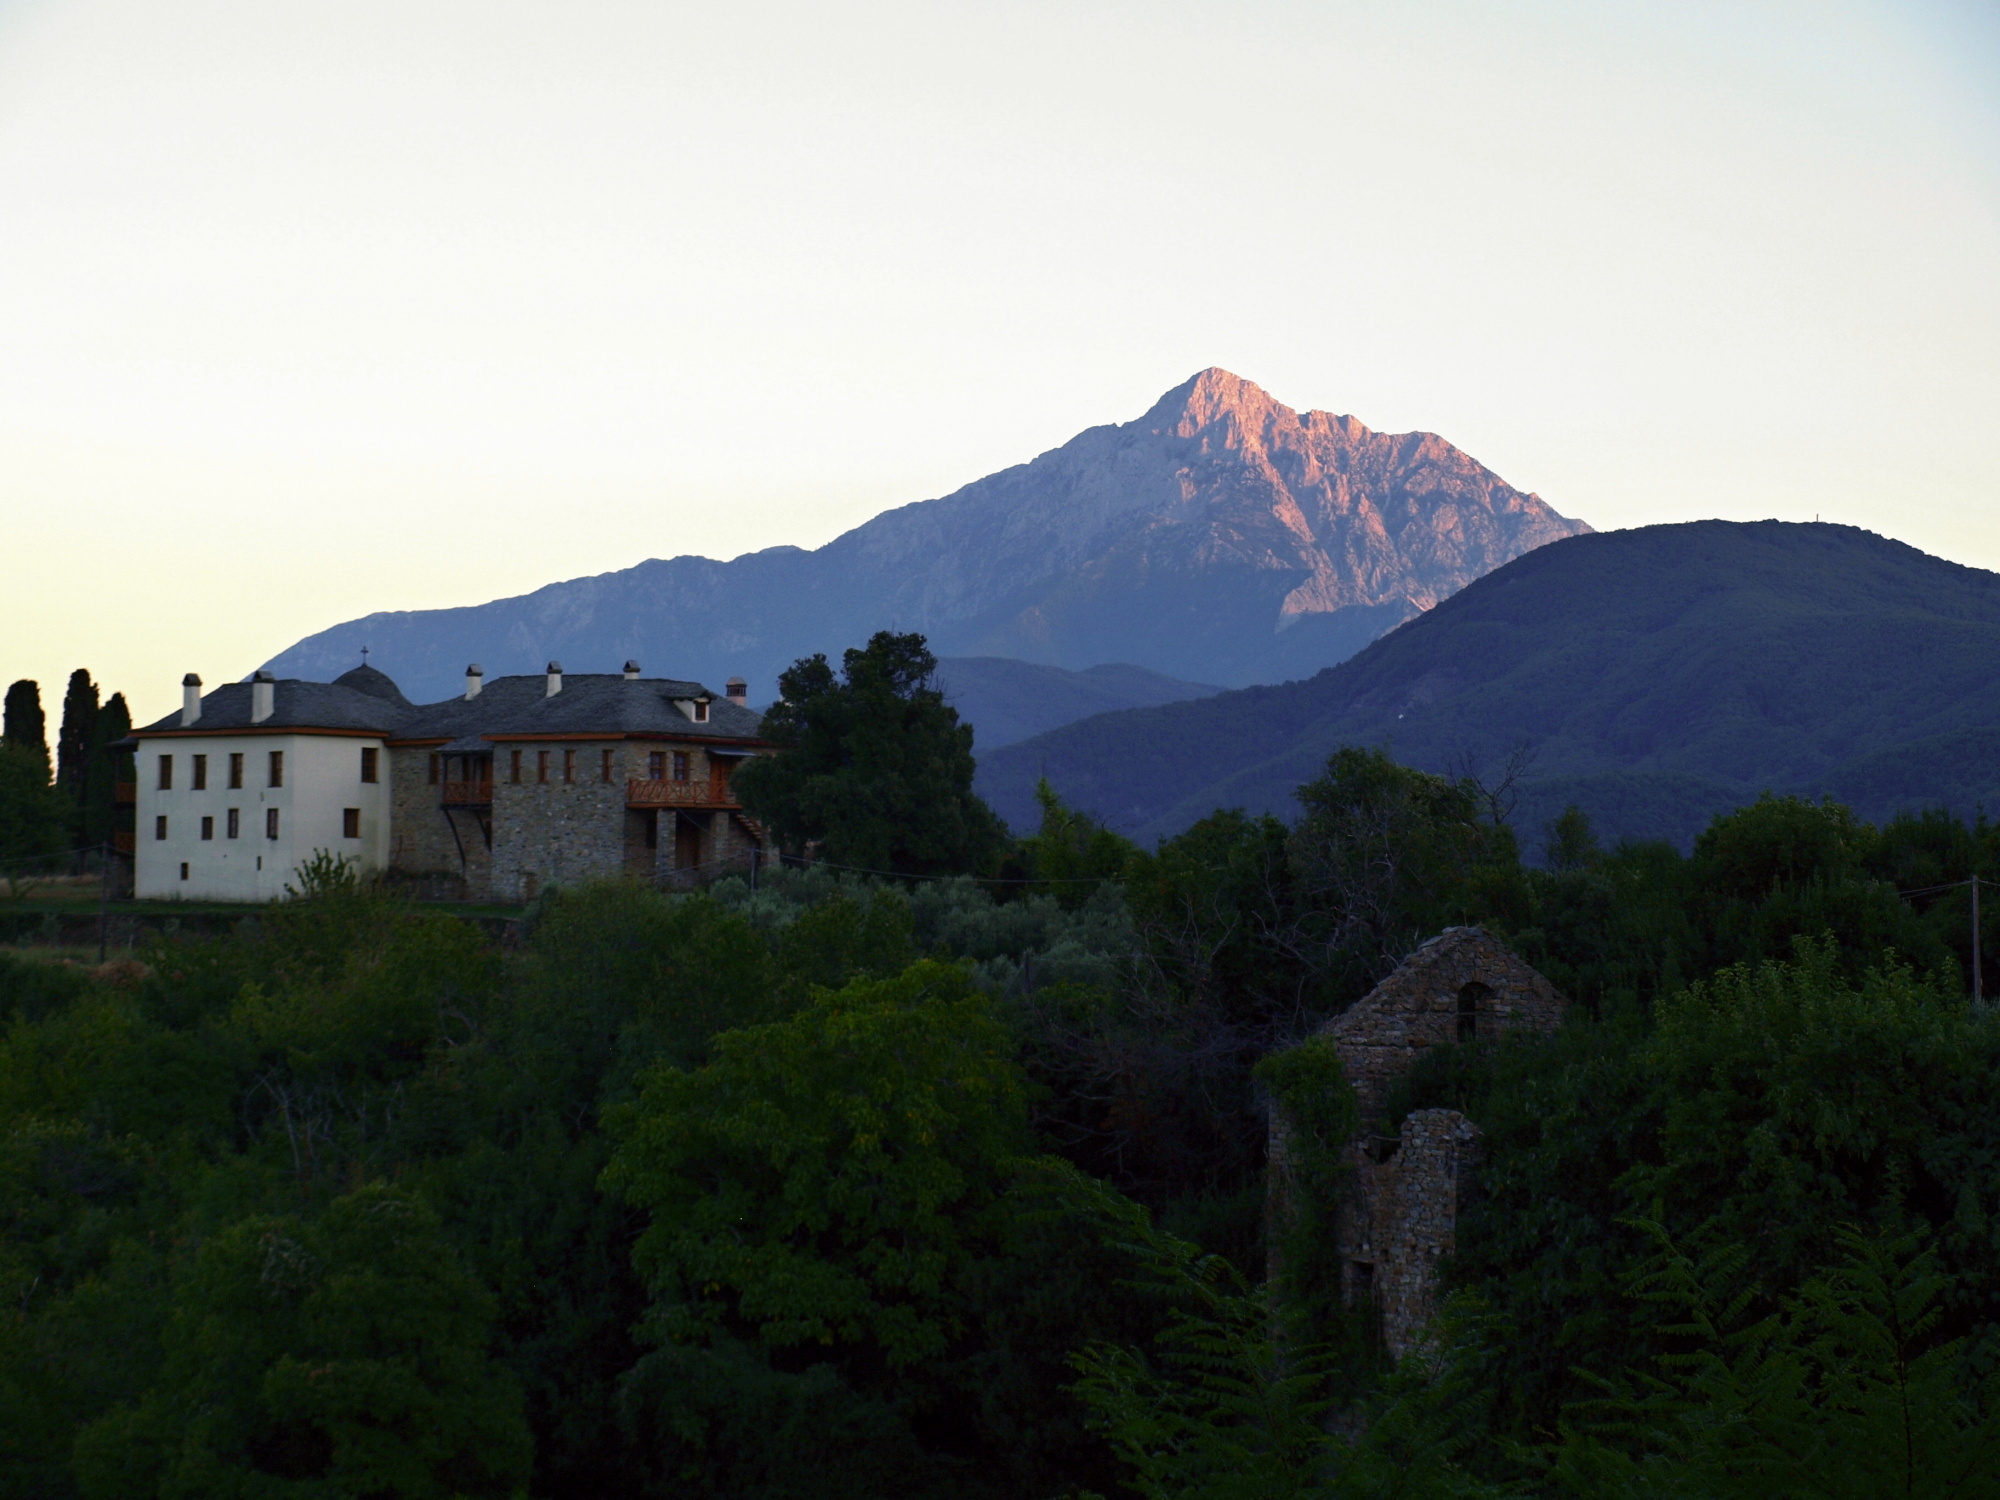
point(364, 656)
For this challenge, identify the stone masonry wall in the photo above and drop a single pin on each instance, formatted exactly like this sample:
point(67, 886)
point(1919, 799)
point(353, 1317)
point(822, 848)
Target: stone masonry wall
point(556, 832)
point(1398, 1212)
point(422, 843)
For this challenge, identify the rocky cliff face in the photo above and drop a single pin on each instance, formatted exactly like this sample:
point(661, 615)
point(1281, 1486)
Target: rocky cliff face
point(1222, 536)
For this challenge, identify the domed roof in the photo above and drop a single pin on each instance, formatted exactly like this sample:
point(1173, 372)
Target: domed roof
point(365, 679)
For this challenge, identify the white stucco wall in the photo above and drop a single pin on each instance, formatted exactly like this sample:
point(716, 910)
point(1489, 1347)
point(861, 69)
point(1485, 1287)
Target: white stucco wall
point(322, 779)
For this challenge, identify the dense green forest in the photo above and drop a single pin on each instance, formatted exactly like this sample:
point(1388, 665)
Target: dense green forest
point(952, 1184)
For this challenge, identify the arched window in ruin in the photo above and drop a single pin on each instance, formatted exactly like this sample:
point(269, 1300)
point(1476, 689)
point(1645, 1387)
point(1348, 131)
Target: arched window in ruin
point(1474, 1001)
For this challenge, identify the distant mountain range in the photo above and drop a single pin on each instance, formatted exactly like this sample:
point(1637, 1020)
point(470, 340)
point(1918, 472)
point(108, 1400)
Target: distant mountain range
point(1222, 537)
point(1658, 676)
point(1009, 700)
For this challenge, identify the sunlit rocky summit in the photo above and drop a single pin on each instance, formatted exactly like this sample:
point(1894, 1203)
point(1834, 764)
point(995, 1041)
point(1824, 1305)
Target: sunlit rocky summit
point(1222, 537)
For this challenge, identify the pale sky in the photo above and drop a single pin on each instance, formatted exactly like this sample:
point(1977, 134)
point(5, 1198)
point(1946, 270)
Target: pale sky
point(311, 310)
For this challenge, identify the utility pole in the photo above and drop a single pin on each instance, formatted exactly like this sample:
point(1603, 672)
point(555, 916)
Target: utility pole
point(105, 895)
point(1978, 989)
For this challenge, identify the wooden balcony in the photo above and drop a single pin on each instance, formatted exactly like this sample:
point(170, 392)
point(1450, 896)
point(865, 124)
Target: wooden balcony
point(465, 794)
point(124, 793)
point(678, 794)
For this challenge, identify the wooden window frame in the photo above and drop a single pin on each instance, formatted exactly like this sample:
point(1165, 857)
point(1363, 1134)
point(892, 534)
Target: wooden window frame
point(569, 767)
point(656, 765)
point(274, 775)
point(350, 822)
point(683, 766)
point(236, 770)
point(514, 768)
point(198, 773)
point(605, 777)
point(160, 828)
point(271, 824)
point(207, 829)
point(166, 773)
point(233, 825)
point(436, 768)
point(541, 768)
point(371, 766)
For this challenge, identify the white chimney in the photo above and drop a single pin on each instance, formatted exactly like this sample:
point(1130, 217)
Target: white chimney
point(737, 691)
point(190, 700)
point(555, 679)
point(631, 671)
point(263, 697)
point(475, 679)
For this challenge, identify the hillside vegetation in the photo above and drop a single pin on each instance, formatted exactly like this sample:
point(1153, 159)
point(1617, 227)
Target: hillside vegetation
point(1657, 676)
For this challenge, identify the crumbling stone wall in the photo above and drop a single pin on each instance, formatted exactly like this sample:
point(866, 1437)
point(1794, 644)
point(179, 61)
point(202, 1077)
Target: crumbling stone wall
point(1397, 1213)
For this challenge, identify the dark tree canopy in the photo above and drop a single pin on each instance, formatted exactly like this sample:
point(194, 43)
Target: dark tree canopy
point(873, 766)
point(26, 726)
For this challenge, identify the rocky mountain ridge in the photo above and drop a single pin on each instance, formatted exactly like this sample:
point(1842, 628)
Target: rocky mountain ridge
point(1221, 537)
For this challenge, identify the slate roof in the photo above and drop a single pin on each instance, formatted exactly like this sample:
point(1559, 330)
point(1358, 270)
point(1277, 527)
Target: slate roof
point(590, 705)
point(295, 705)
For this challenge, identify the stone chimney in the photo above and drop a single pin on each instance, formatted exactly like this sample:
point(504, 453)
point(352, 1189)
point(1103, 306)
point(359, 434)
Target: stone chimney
point(555, 679)
point(631, 671)
point(475, 679)
point(190, 700)
point(263, 697)
point(737, 691)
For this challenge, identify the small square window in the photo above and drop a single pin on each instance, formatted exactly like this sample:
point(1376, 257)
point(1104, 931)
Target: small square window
point(208, 828)
point(270, 822)
point(236, 772)
point(277, 768)
point(160, 826)
point(569, 765)
point(199, 780)
point(350, 822)
point(166, 773)
point(371, 763)
point(233, 824)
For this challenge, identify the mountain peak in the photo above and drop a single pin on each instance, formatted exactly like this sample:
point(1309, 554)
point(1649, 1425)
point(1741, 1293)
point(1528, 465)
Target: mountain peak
point(1206, 398)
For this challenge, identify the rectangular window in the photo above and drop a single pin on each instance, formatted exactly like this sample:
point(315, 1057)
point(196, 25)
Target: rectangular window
point(184, 870)
point(652, 828)
point(569, 765)
point(605, 774)
point(701, 710)
point(270, 822)
point(277, 768)
point(236, 772)
point(656, 766)
point(233, 824)
point(350, 822)
point(199, 780)
point(435, 768)
point(370, 762)
point(208, 828)
point(166, 773)
point(160, 826)
point(680, 765)
point(514, 774)
point(541, 765)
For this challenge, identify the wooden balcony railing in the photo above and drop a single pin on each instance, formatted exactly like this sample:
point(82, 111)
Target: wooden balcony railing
point(124, 793)
point(466, 794)
point(677, 794)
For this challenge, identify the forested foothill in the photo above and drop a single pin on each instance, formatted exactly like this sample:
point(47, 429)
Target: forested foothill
point(950, 1182)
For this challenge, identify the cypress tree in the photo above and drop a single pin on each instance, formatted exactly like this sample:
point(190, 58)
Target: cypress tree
point(104, 768)
point(26, 726)
point(73, 740)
